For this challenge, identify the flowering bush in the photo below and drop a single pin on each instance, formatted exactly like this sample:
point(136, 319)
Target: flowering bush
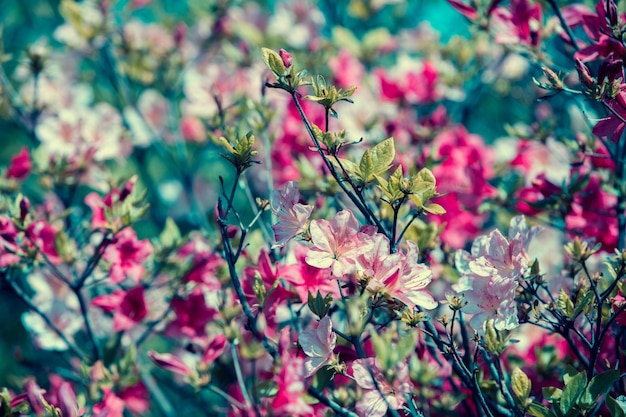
point(291, 209)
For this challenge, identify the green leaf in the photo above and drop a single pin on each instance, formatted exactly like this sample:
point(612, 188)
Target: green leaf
point(405, 346)
point(617, 407)
point(552, 394)
point(382, 350)
point(434, 208)
point(319, 305)
point(259, 288)
point(273, 60)
point(521, 385)
point(565, 304)
point(170, 236)
point(599, 386)
point(377, 160)
point(585, 302)
point(572, 391)
point(539, 410)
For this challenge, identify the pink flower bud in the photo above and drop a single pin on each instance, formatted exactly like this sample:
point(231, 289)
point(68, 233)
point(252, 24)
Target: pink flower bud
point(24, 207)
point(215, 349)
point(584, 74)
point(192, 129)
point(180, 32)
point(35, 397)
point(286, 57)
point(170, 363)
point(67, 400)
point(128, 188)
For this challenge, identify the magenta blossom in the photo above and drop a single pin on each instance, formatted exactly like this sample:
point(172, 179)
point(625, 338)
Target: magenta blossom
point(126, 255)
point(21, 165)
point(129, 307)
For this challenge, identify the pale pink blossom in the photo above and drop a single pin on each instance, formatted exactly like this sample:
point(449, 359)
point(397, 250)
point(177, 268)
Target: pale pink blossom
point(318, 344)
point(491, 272)
point(413, 278)
point(396, 275)
point(78, 132)
point(292, 215)
point(335, 244)
point(379, 394)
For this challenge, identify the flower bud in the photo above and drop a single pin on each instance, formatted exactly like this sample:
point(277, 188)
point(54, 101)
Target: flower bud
point(286, 57)
point(24, 207)
point(584, 74)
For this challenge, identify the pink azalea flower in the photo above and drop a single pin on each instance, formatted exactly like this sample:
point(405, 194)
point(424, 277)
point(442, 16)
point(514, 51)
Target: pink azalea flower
point(519, 24)
point(347, 69)
point(110, 406)
point(463, 177)
point(465, 9)
point(491, 273)
point(41, 235)
point(592, 214)
point(205, 262)
point(306, 278)
point(318, 345)
point(8, 244)
point(334, 244)
point(377, 390)
point(126, 255)
point(129, 307)
point(413, 278)
point(292, 216)
point(192, 315)
point(35, 397)
point(275, 293)
point(289, 399)
point(214, 349)
point(98, 204)
point(20, 166)
point(136, 398)
point(613, 125)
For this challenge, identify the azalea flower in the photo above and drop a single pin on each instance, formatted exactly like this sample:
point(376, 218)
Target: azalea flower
point(20, 166)
point(126, 255)
point(318, 345)
point(378, 393)
point(290, 383)
point(306, 278)
point(129, 307)
point(491, 272)
point(396, 275)
point(335, 244)
point(292, 216)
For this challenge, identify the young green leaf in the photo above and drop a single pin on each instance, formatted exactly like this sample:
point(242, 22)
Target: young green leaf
point(572, 391)
point(521, 386)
